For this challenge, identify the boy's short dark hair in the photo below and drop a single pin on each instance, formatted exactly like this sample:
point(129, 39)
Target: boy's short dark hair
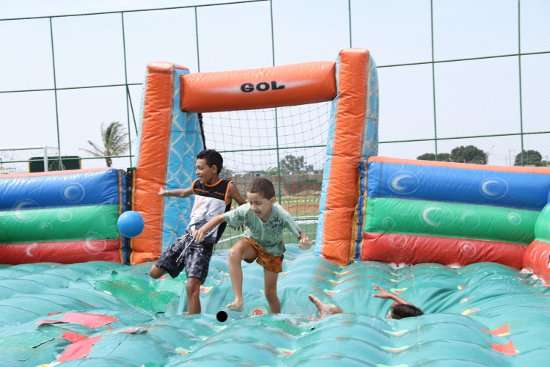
point(402, 311)
point(212, 158)
point(262, 186)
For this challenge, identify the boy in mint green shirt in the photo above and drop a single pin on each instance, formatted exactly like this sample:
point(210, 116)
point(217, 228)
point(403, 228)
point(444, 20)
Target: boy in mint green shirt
point(263, 239)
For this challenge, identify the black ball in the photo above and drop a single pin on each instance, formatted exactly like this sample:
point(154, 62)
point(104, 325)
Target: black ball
point(221, 316)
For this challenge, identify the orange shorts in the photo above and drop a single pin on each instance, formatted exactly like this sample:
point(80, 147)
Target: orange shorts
point(269, 262)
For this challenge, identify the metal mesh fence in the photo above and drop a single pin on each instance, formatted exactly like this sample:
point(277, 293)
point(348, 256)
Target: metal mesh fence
point(58, 93)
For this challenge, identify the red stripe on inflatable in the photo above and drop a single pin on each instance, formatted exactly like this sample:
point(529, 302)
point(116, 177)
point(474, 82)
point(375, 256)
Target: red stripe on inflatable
point(537, 259)
point(61, 252)
point(73, 337)
point(508, 349)
point(78, 350)
point(483, 167)
point(408, 249)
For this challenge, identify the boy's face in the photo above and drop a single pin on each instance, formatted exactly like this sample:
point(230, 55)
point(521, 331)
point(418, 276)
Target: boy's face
point(260, 205)
point(205, 173)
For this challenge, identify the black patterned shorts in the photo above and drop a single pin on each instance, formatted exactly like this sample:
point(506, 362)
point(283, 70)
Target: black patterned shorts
point(186, 253)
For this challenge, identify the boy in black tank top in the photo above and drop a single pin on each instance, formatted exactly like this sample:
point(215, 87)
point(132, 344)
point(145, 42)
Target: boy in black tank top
point(213, 196)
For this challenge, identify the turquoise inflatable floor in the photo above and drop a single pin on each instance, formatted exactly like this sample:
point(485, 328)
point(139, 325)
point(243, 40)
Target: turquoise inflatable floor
point(102, 314)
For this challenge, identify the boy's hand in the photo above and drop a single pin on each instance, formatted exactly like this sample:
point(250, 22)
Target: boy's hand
point(382, 293)
point(162, 191)
point(198, 234)
point(305, 243)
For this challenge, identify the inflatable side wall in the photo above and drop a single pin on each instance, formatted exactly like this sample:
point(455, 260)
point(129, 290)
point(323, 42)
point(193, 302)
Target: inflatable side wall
point(63, 217)
point(451, 213)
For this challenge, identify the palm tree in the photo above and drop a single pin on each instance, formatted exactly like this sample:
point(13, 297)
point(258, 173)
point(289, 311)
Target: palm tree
point(115, 142)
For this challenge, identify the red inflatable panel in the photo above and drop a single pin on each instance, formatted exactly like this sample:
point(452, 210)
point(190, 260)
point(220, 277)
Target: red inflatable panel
point(390, 247)
point(537, 259)
point(61, 252)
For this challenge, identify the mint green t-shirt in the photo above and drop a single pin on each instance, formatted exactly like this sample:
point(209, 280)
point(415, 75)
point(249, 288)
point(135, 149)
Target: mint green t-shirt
point(268, 234)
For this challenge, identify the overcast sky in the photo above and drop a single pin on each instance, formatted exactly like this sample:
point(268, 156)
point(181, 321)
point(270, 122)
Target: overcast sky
point(479, 97)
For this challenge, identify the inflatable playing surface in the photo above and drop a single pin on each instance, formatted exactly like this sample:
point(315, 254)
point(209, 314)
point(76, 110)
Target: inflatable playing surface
point(100, 314)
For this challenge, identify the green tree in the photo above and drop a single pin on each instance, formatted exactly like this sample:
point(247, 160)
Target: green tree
point(272, 171)
point(468, 154)
point(528, 158)
point(114, 142)
point(443, 157)
point(291, 164)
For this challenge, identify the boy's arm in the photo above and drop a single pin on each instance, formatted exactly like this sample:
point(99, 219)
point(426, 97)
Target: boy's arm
point(176, 192)
point(201, 233)
point(235, 194)
point(305, 243)
point(384, 294)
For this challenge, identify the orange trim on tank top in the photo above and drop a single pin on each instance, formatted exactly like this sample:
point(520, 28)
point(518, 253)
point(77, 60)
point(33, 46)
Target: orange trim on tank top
point(225, 199)
point(212, 185)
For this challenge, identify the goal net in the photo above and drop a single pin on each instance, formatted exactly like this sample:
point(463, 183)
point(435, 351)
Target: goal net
point(285, 144)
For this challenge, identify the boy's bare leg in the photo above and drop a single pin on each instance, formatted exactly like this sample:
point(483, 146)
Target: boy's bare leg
point(270, 286)
point(240, 251)
point(193, 296)
point(156, 272)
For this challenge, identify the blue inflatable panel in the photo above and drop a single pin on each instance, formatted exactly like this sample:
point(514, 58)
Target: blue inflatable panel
point(84, 188)
point(326, 171)
point(185, 143)
point(486, 187)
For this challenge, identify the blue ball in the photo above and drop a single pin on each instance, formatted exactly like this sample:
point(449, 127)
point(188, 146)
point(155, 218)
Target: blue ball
point(130, 224)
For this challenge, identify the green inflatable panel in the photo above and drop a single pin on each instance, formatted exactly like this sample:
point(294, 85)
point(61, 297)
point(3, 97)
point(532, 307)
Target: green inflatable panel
point(481, 315)
point(542, 227)
point(57, 224)
point(451, 220)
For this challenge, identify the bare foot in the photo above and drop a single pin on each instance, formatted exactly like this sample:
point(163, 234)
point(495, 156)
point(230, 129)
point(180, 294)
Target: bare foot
point(236, 305)
point(323, 308)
